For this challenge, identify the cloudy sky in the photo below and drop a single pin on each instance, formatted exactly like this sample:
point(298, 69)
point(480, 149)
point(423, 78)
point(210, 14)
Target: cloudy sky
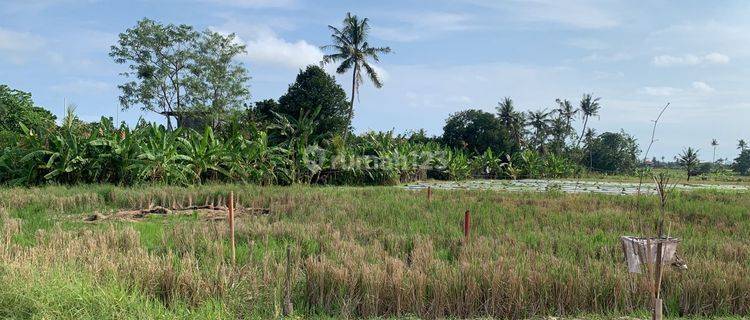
point(448, 56)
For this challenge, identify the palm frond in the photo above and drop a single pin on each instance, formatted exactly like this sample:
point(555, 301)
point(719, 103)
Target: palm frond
point(374, 77)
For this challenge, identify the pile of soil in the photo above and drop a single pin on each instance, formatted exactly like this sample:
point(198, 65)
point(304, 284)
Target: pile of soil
point(206, 212)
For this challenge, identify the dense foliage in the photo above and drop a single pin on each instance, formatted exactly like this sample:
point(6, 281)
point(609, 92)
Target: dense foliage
point(612, 152)
point(78, 152)
point(742, 163)
point(297, 140)
point(17, 108)
point(316, 95)
point(181, 73)
point(305, 136)
point(475, 131)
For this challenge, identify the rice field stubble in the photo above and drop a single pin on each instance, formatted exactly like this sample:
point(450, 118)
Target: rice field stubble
point(362, 252)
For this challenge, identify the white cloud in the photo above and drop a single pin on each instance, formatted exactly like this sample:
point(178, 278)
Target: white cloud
point(604, 75)
point(264, 47)
point(697, 87)
point(580, 14)
point(660, 91)
point(423, 25)
point(727, 36)
point(612, 57)
point(703, 87)
point(254, 3)
point(270, 49)
point(716, 58)
point(16, 7)
point(690, 59)
point(16, 46)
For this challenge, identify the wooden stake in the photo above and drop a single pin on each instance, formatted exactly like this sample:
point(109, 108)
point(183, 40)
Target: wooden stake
point(657, 282)
point(466, 224)
point(429, 193)
point(657, 310)
point(231, 225)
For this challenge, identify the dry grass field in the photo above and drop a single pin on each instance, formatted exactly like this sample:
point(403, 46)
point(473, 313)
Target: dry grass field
point(361, 253)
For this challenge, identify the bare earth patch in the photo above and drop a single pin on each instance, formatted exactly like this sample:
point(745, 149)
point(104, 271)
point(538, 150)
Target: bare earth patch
point(206, 213)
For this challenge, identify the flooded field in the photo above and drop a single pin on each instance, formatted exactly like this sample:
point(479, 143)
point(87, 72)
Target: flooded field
point(568, 186)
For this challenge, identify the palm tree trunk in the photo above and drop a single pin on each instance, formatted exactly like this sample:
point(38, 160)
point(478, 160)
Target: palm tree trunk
point(583, 132)
point(351, 103)
point(713, 160)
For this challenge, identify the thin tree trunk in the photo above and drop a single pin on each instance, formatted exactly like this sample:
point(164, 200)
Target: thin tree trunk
point(714, 158)
point(351, 103)
point(583, 132)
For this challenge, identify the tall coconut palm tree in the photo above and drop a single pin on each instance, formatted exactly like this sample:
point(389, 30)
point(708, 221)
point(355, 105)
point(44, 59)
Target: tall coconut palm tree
point(589, 108)
point(567, 111)
point(741, 144)
point(512, 120)
point(539, 120)
point(350, 46)
point(714, 144)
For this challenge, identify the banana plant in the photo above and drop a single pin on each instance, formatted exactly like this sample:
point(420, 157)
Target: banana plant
point(115, 150)
point(206, 155)
point(530, 164)
point(487, 164)
point(64, 158)
point(458, 167)
point(159, 160)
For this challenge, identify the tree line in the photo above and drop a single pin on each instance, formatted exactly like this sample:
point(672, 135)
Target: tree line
point(304, 136)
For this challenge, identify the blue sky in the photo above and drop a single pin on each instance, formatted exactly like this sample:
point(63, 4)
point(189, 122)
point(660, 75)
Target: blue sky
point(448, 56)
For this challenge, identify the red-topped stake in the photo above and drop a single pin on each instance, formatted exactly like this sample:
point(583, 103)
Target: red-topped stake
point(467, 218)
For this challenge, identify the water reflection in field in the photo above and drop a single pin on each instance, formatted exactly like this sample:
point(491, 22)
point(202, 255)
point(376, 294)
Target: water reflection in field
point(568, 186)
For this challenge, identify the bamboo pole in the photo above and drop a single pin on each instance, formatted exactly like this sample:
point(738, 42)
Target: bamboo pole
point(231, 226)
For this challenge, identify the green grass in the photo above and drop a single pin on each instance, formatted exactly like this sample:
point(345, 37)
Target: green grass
point(66, 294)
point(363, 252)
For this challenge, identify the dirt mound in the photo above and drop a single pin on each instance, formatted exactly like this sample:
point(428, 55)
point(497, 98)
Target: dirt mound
point(206, 213)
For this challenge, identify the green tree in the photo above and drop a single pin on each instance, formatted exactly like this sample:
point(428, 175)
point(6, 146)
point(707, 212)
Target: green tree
point(350, 46)
point(741, 164)
point(475, 131)
point(741, 144)
point(558, 130)
point(611, 152)
point(567, 112)
point(513, 121)
point(540, 122)
point(315, 90)
point(589, 108)
point(689, 160)
point(178, 72)
point(261, 113)
point(160, 59)
point(220, 82)
point(17, 107)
